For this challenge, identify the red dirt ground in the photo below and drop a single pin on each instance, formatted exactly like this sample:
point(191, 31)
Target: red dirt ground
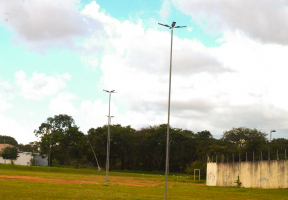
point(114, 181)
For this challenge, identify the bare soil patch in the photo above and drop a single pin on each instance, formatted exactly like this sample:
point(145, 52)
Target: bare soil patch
point(112, 181)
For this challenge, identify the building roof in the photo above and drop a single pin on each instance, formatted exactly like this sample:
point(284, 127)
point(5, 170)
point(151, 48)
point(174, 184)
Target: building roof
point(2, 146)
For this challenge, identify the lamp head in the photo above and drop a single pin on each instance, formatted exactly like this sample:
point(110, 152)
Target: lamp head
point(273, 131)
point(173, 24)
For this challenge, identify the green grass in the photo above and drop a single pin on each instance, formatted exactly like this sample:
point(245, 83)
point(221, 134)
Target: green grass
point(178, 187)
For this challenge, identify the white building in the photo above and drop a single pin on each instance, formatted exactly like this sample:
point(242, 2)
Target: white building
point(25, 159)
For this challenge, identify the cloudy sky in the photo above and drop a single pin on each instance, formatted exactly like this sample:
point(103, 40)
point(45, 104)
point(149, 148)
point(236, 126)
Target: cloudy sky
point(230, 65)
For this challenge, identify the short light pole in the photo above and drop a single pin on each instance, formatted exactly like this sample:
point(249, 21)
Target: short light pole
point(4, 148)
point(49, 154)
point(270, 142)
point(167, 143)
point(108, 136)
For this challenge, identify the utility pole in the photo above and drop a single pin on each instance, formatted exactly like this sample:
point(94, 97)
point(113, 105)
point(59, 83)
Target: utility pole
point(108, 136)
point(4, 148)
point(168, 125)
point(50, 154)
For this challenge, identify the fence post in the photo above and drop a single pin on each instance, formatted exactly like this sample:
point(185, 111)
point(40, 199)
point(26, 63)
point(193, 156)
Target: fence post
point(233, 156)
point(227, 158)
point(216, 158)
point(253, 156)
point(261, 156)
point(246, 156)
point(239, 157)
point(277, 155)
point(285, 155)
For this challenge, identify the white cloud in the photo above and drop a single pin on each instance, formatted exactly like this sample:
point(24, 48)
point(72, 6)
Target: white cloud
point(240, 83)
point(40, 85)
point(61, 104)
point(4, 105)
point(6, 89)
point(11, 127)
point(165, 10)
point(89, 62)
point(45, 23)
point(236, 84)
point(262, 20)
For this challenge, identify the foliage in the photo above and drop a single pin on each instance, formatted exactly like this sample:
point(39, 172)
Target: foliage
point(56, 163)
point(242, 134)
point(197, 165)
point(62, 137)
point(238, 182)
point(145, 149)
point(8, 140)
point(55, 124)
point(31, 147)
point(10, 153)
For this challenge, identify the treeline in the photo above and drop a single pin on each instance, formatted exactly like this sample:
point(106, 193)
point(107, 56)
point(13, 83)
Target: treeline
point(145, 149)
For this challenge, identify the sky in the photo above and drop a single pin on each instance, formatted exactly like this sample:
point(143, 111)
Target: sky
point(229, 65)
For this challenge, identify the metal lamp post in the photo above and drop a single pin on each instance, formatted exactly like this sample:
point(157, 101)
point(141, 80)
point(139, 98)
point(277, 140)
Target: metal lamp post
point(49, 154)
point(167, 144)
point(270, 142)
point(108, 135)
point(4, 148)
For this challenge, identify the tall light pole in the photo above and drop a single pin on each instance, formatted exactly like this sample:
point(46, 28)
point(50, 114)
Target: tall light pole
point(108, 135)
point(270, 142)
point(167, 143)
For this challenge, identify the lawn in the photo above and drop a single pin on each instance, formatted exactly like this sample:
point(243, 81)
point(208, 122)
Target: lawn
point(19, 182)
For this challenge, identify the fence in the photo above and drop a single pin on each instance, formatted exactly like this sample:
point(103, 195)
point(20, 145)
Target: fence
point(256, 174)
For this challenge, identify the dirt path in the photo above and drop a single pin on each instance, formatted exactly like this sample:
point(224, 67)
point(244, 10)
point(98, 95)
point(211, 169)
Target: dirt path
point(112, 181)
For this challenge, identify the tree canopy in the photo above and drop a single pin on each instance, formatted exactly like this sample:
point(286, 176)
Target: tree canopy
point(10, 153)
point(145, 149)
point(243, 134)
point(55, 124)
point(8, 140)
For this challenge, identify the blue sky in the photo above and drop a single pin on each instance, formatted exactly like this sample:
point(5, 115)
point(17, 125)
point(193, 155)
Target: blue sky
point(56, 58)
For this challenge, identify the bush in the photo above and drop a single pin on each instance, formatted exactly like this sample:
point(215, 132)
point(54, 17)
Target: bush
point(55, 163)
point(197, 165)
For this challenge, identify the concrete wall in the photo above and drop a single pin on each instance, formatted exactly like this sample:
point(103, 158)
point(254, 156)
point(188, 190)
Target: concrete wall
point(24, 159)
point(39, 161)
point(21, 160)
point(258, 174)
point(211, 175)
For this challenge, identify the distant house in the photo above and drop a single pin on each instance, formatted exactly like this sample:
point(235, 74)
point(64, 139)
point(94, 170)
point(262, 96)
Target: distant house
point(25, 158)
point(3, 146)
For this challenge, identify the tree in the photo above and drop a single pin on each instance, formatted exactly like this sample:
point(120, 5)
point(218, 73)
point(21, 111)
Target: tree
point(8, 140)
point(31, 147)
point(75, 144)
point(55, 124)
point(10, 153)
point(64, 135)
point(242, 134)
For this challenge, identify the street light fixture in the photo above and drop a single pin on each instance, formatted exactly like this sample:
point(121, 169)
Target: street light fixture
point(167, 143)
point(271, 134)
point(270, 142)
point(108, 135)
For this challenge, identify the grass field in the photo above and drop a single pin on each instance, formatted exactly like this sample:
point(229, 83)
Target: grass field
point(19, 182)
